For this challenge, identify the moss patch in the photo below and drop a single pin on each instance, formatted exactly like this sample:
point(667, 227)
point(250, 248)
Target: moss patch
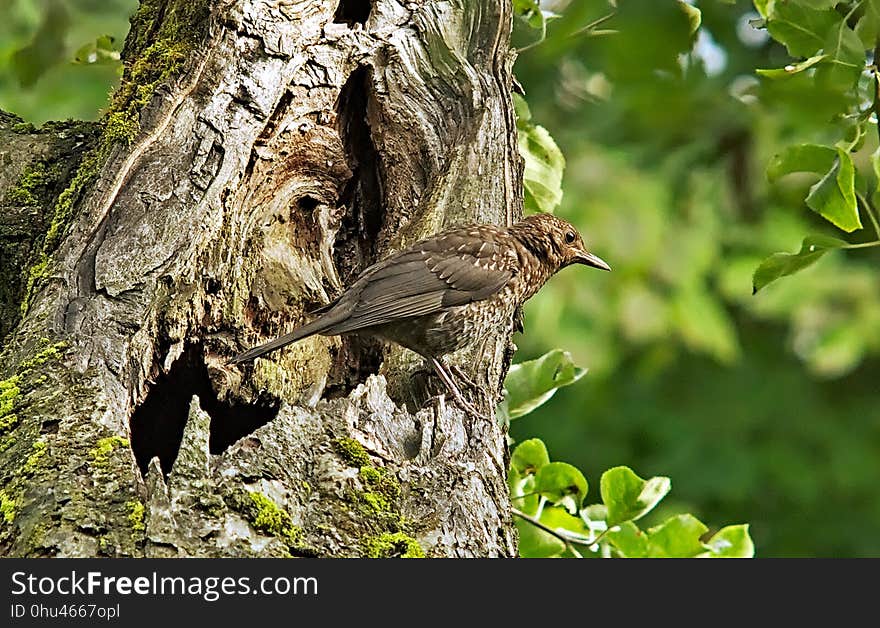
point(381, 490)
point(174, 31)
point(39, 449)
point(162, 37)
point(106, 446)
point(392, 545)
point(50, 352)
point(33, 183)
point(7, 507)
point(352, 452)
point(136, 515)
point(23, 128)
point(268, 517)
point(9, 392)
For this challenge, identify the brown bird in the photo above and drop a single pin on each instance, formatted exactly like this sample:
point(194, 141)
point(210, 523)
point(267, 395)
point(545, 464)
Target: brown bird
point(448, 291)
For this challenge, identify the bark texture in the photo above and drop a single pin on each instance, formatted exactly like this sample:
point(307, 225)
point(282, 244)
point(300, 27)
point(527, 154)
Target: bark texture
point(257, 157)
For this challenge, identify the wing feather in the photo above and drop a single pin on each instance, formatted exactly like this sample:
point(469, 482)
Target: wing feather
point(451, 269)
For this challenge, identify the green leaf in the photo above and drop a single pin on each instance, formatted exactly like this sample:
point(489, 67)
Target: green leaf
point(529, 11)
point(530, 384)
point(819, 4)
point(846, 59)
point(562, 484)
point(875, 166)
point(628, 496)
point(792, 69)
point(801, 158)
point(694, 15)
point(595, 512)
point(628, 540)
point(521, 109)
point(535, 542)
point(544, 164)
point(100, 51)
point(868, 26)
point(677, 537)
point(529, 456)
point(801, 29)
point(559, 519)
point(730, 542)
point(782, 264)
point(834, 196)
point(529, 24)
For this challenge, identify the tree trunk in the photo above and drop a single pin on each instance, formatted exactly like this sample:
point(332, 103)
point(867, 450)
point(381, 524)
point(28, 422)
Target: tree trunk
point(258, 155)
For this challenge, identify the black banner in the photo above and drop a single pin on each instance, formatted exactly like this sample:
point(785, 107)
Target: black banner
point(126, 592)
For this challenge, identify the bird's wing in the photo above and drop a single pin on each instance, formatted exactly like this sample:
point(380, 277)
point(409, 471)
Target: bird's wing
point(449, 270)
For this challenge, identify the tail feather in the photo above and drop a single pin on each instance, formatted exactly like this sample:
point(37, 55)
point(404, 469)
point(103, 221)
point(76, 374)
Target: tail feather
point(315, 327)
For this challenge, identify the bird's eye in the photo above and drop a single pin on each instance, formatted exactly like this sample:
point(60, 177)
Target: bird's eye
point(569, 237)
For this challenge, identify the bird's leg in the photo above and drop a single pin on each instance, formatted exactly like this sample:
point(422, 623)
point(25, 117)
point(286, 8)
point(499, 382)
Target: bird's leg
point(461, 376)
point(453, 389)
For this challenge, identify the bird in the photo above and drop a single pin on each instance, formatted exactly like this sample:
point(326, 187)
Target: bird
point(448, 291)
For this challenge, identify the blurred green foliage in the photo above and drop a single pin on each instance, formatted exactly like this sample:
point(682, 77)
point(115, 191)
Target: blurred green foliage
point(59, 59)
point(761, 408)
point(548, 498)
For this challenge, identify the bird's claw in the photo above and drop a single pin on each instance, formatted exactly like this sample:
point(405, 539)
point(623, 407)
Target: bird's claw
point(459, 374)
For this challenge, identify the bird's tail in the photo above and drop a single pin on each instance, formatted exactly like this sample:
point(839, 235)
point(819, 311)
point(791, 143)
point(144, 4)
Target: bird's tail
point(315, 327)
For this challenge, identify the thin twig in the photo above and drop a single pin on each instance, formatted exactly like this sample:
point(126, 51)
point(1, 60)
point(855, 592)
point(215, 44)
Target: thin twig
point(863, 245)
point(568, 540)
point(870, 211)
point(524, 495)
point(592, 25)
point(876, 105)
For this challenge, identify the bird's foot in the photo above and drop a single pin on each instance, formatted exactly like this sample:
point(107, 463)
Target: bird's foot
point(440, 402)
point(470, 409)
point(462, 377)
point(462, 403)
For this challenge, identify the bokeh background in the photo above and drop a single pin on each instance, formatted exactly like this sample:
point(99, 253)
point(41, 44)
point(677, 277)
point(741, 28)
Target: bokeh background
point(762, 409)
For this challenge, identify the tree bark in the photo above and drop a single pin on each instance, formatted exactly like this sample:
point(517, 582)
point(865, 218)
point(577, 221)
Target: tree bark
point(257, 157)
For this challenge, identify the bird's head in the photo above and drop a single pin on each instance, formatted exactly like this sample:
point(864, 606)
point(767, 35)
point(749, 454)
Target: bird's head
point(556, 241)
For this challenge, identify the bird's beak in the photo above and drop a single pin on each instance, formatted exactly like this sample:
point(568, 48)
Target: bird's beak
point(588, 259)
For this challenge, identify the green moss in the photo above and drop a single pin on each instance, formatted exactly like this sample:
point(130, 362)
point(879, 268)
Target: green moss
point(63, 210)
point(268, 517)
point(36, 538)
point(6, 442)
point(392, 545)
point(9, 392)
point(121, 126)
point(8, 507)
point(35, 273)
point(101, 454)
point(181, 29)
point(23, 128)
point(375, 501)
point(34, 181)
point(381, 490)
point(148, 66)
point(136, 515)
point(51, 352)
point(352, 452)
point(33, 462)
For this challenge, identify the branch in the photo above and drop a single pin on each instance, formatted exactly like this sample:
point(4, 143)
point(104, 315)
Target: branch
point(562, 536)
